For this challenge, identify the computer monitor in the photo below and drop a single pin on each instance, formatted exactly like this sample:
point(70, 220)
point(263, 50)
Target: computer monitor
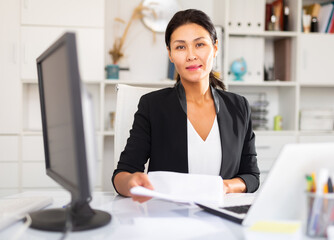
point(68, 134)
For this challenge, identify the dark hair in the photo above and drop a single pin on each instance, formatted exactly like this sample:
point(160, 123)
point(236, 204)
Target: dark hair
point(200, 18)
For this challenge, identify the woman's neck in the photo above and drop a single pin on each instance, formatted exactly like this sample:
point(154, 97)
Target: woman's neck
point(197, 92)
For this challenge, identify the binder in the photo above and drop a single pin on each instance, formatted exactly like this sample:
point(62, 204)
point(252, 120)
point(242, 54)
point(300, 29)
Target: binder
point(252, 50)
point(258, 14)
point(247, 15)
point(282, 56)
point(236, 10)
point(172, 74)
point(249, 19)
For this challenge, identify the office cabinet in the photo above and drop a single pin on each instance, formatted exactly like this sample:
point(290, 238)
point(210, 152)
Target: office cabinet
point(9, 149)
point(9, 172)
point(268, 148)
point(315, 137)
point(69, 13)
point(10, 93)
point(34, 176)
point(36, 39)
point(33, 148)
point(316, 58)
point(10, 97)
point(31, 111)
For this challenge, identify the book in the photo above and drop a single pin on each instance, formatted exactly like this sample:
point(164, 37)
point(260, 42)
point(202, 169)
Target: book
point(278, 12)
point(330, 21)
point(286, 13)
point(269, 12)
point(282, 57)
point(172, 73)
point(312, 9)
point(331, 26)
point(325, 13)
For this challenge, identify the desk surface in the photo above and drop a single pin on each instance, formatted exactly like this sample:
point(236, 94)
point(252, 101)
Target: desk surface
point(154, 219)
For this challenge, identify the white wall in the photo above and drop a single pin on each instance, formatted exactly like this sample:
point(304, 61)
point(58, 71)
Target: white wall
point(147, 60)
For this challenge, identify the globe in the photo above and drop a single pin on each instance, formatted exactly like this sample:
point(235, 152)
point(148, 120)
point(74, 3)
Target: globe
point(239, 68)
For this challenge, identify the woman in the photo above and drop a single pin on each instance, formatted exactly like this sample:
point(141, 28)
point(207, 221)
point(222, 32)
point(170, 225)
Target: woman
point(194, 127)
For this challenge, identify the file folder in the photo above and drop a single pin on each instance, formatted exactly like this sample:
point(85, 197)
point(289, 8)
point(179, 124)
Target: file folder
point(247, 15)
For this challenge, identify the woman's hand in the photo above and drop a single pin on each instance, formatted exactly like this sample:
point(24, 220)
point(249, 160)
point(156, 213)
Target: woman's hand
point(139, 179)
point(234, 185)
point(124, 181)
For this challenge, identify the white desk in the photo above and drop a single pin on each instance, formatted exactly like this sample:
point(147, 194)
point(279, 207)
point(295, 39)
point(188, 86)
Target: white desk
point(154, 219)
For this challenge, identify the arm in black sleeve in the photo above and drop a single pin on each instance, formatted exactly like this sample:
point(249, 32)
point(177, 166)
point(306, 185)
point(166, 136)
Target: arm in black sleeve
point(137, 149)
point(249, 171)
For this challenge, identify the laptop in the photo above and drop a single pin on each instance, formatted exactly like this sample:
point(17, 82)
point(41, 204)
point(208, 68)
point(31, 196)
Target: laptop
point(282, 196)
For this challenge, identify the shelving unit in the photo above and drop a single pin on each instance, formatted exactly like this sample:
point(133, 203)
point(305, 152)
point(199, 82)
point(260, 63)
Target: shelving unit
point(21, 148)
point(311, 84)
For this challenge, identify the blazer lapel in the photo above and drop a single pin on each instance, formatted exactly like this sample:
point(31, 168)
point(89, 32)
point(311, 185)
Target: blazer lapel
point(224, 121)
point(231, 131)
point(181, 94)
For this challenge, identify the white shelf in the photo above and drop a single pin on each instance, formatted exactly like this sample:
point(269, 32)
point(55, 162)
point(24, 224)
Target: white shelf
point(109, 133)
point(93, 82)
point(262, 84)
point(266, 34)
point(34, 81)
point(293, 133)
point(32, 133)
point(29, 81)
point(9, 134)
point(140, 83)
point(316, 34)
point(317, 84)
point(276, 133)
point(316, 133)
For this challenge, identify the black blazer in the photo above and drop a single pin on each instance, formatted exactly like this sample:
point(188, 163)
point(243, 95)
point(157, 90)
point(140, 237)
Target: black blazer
point(159, 133)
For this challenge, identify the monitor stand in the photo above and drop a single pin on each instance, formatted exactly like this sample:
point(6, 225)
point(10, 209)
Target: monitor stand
point(82, 215)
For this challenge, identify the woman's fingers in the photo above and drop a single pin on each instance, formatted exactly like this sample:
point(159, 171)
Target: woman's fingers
point(140, 179)
point(140, 199)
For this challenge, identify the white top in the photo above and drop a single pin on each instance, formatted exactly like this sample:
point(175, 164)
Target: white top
point(204, 157)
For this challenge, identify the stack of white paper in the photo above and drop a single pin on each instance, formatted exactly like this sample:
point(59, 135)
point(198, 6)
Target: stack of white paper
point(183, 187)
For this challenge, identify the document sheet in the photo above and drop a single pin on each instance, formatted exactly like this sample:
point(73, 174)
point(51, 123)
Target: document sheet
point(184, 187)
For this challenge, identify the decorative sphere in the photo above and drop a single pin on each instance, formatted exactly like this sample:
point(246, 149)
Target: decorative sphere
point(239, 68)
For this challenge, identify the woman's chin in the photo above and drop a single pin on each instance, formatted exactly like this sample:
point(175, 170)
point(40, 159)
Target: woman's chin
point(195, 79)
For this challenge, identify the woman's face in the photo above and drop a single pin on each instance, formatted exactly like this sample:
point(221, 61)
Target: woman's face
point(192, 52)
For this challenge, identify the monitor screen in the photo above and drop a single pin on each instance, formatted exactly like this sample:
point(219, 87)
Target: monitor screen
point(59, 118)
point(67, 136)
